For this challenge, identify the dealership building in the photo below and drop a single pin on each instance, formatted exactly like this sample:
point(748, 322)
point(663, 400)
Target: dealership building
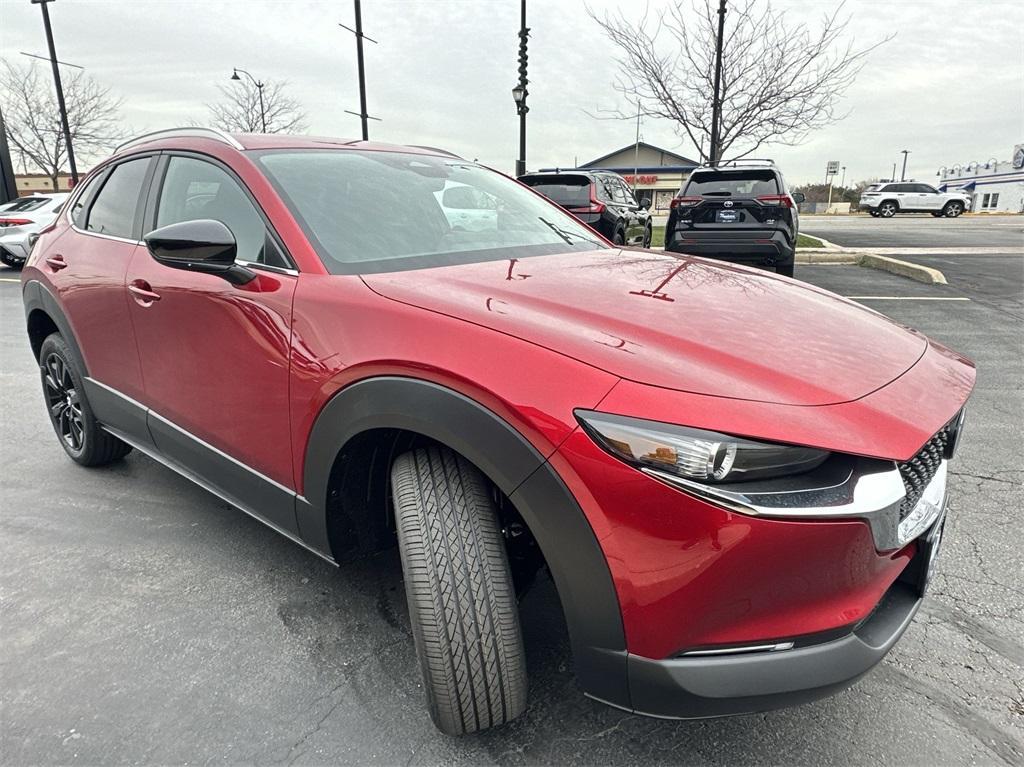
point(656, 174)
point(996, 186)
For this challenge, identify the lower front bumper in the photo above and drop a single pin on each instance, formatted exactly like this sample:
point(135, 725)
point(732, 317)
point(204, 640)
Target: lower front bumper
point(698, 687)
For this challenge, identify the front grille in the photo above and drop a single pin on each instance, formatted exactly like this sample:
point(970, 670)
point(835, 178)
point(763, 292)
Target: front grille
point(919, 470)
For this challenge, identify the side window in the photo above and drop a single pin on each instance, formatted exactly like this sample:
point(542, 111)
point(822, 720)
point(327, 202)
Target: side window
point(925, 189)
point(604, 189)
point(194, 189)
point(113, 211)
point(627, 194)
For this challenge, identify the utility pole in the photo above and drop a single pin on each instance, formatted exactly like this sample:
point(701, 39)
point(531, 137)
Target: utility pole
point(893, 176)
point(519, 93)
point(8, 187)
point(636, 149)
point(716, 104)
point(60, 89)
point(842, 182)
point(358, 32)
point(903, 174)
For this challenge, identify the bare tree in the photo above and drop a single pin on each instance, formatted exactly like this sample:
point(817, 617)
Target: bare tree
point(239, 110)
point(32, 117)
point(779, 81)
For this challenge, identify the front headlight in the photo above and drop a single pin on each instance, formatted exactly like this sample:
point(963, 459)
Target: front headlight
point(704, 456)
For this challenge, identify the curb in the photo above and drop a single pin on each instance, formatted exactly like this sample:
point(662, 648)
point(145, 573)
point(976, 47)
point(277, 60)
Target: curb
point(824, 256)
point(904, 268)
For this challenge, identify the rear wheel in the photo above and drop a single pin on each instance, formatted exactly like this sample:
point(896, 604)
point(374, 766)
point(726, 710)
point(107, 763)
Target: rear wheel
point(874, 213)
point(953, 209)
point(888, 209)
point(647, 236)
point(462, 602)
point(619, 239)
point(70, 414)
point(937, 214)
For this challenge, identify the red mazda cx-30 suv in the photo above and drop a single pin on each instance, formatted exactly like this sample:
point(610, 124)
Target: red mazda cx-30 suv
point(736, 480)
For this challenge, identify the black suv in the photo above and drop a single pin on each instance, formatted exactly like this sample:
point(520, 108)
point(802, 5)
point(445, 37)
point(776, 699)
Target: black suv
point(740, 211)
point(600, 199)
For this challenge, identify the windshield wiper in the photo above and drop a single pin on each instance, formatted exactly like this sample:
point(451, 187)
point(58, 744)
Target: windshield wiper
point(566, 236)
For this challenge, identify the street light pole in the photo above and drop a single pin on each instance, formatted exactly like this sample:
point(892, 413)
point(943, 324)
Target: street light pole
point(259, 89)
point(519, 93)
point(903, 173)
point(60, 89)
point(362, 71)
point(716, 104)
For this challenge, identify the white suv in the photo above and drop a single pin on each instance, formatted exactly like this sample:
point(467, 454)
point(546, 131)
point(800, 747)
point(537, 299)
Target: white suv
point(21, 220)
point(886, 200)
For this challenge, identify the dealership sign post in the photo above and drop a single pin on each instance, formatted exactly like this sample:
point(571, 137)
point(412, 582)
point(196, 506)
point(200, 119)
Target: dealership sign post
point(830, 173)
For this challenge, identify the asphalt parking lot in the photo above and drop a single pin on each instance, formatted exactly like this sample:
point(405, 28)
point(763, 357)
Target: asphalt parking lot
point(917, 230)
point(144, 621)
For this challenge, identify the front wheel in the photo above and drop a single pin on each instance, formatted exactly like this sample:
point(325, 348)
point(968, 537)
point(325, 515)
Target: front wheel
point(647, 236)
point(462, 603)
point(953, 209)
point(80, 434)
point(11, 261)
point(619, 239)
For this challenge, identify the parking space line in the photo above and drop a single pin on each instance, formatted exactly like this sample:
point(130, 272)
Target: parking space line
point(8, 279)
point(908, 298)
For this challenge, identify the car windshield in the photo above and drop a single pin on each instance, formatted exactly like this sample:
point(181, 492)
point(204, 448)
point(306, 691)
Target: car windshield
point(733, 183)
point(371, 211)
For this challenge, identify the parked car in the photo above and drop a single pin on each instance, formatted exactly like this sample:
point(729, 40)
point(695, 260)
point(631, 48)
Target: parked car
point(740, 212)
point(886, 200)
point(467, 208)
point(600, 199)
point(736, 481)
point(21, 220)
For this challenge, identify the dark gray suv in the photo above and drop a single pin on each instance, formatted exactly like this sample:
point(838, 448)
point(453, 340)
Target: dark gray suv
point(740, 212)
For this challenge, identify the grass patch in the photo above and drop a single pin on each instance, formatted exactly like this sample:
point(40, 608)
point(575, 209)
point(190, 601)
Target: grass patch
point(803, 241)
point(658, 237)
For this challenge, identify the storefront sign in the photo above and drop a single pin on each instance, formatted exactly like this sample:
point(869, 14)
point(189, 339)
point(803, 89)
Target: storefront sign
point(642, 179)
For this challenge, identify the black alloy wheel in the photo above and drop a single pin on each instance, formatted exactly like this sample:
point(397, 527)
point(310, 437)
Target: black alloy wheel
point(63, 401)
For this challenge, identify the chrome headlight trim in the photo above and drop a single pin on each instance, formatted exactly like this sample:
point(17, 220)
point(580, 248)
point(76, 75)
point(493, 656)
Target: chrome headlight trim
point(871, 495)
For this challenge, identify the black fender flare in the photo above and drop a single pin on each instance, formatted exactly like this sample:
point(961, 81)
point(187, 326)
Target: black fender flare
point(577, 563)
point(37, 298)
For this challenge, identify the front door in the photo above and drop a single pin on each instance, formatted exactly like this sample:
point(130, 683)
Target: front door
point(215, 356)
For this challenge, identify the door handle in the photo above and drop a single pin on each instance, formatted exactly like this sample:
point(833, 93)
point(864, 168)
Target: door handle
point(56, 262)
point(142, 292)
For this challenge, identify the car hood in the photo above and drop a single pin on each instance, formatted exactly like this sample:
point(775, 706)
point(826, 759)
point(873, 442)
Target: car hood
point(675, 322)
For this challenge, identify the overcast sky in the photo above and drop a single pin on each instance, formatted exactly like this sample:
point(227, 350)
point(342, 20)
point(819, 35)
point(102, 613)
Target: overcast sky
point(949, 87)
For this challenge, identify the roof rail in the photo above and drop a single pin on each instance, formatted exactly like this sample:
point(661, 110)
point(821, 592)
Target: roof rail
point(747, 161)
point(214, 133)
point(435, 149)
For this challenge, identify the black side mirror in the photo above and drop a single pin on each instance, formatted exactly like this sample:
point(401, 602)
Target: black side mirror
point(798, 197)
point(645, 203)
point(202, 245)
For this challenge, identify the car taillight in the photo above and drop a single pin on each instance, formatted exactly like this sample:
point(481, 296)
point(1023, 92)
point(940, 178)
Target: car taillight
point(777, 199)
point(15, 221)
point(596, 206)
point(684, 202)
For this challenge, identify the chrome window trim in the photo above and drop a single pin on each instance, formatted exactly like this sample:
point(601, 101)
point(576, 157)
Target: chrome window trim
point(872, 496)
point(267, 267)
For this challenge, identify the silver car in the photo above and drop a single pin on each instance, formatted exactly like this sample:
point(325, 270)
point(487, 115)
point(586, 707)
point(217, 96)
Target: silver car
point(22, 218)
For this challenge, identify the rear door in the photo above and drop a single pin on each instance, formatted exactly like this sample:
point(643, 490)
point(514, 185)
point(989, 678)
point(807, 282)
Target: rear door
point(729, 199)
point(215, 356)
point(87, 265)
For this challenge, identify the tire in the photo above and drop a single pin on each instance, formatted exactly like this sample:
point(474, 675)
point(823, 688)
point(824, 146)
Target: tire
point(888, 209)
point(462, 602)
point(953, 209)
point(937, 214)
point(71, 416)
point(874, 213)
point(11, 261)
point(648, 234)
point(619, 239)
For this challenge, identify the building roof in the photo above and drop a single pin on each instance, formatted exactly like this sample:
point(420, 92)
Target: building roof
point(677, 159)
